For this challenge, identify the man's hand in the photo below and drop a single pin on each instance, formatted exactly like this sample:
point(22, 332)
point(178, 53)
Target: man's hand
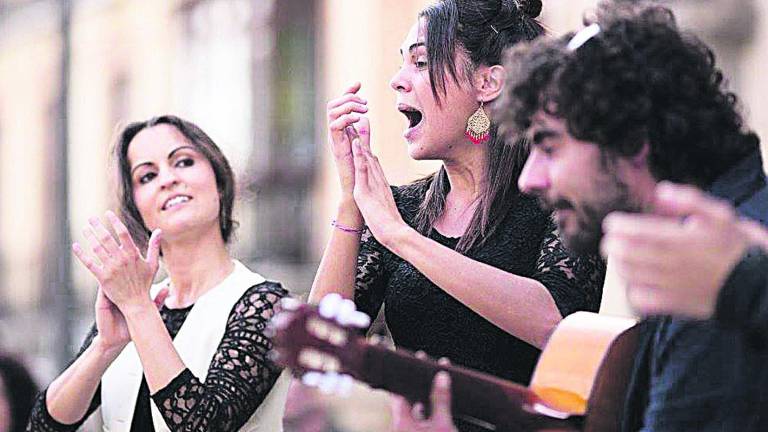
point(676, 259)
point(407, 418)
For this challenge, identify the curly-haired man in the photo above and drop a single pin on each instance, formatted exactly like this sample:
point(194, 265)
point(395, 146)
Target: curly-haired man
point(611, 111)
point(614, 114)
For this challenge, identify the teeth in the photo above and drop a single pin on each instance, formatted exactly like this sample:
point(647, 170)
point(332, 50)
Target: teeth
point(176, 200)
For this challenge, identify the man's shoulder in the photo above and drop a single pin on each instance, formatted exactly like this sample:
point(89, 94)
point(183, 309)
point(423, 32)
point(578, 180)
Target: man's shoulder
point(756, 206)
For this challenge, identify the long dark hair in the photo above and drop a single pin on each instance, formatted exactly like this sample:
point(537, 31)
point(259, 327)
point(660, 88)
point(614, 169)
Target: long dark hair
point(482, 29)
point(225, 178)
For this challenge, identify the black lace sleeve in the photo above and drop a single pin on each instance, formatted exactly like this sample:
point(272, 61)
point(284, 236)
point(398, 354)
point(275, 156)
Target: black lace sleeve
point(240, 375)
point(371, 278)
point(575, 282)
point(40, 419)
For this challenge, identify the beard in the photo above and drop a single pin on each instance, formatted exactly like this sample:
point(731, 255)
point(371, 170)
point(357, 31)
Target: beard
point(584, 231)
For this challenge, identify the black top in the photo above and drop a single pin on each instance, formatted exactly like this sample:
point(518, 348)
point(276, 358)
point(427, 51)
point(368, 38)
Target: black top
point(704, 375)
point(743, 300)
point(239, 378)
point(421, 316)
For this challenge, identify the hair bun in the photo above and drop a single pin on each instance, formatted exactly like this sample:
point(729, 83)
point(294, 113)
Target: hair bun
point(532, 8)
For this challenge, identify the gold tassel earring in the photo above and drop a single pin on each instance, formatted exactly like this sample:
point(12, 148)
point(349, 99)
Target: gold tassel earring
point(478, 126)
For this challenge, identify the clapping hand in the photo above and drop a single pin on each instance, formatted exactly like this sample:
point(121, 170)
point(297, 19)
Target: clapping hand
point(124, 275)
point(344, 113)
point(373, 195)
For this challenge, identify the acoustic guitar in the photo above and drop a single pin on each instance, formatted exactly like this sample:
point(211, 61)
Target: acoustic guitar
point(578, 384)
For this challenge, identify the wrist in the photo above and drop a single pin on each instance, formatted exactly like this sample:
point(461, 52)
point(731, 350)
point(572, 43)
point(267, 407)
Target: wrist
point(396, 236)
point(137, 309)
point(348, 214)
point(106, 351)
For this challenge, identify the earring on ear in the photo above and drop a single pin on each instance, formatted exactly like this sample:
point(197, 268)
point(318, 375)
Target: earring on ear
point(478, 126)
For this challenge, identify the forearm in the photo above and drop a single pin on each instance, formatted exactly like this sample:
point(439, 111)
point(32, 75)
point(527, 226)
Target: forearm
point(518, 305)
point(338, 266)
point(69, 396)
point(239, 378)
point(159, 359)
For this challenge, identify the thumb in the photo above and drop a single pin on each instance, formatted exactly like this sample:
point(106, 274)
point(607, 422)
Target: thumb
point(101, 298)
point(153, 249)
point(400, 411)
point(364, 133)
point(159, 299)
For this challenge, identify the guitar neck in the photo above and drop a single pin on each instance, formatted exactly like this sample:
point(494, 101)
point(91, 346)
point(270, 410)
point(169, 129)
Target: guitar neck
point(476, 396)
point(581, 374)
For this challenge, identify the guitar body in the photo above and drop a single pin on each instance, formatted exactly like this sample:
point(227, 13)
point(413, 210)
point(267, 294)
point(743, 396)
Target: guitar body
point(585, 367)
point(578, 383)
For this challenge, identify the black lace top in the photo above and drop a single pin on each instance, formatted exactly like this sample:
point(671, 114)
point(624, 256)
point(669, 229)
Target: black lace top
point(239, 378)
point(421, 316)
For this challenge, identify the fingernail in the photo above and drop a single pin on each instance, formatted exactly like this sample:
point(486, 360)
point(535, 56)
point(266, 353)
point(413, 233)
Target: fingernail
point(608, 220)
point(442, 379)
point(665, 189)
point(93, 220)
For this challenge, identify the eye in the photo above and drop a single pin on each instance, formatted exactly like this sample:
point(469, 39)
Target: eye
point(184, 162)
point(146, 178)
point(547, 149)
point(419, 60)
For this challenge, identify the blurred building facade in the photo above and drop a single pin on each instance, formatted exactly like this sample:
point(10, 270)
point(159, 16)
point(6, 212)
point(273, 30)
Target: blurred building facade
point(254, 74)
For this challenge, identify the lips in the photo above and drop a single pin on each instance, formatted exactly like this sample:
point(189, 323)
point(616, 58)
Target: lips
point(175, 200)
point(413, 114)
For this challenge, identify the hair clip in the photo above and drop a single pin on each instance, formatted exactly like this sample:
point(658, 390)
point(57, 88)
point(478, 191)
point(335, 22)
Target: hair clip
point(583, 36)
point(494, 29)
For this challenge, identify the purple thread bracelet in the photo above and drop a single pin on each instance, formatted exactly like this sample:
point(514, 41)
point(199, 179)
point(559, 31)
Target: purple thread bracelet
point(345, 228)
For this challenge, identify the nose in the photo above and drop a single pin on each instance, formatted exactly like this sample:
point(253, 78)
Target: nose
point(168, 178)
point(534, 177)
point(399, 81)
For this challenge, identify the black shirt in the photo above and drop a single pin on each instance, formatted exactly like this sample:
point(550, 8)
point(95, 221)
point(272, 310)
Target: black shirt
point(421, 316)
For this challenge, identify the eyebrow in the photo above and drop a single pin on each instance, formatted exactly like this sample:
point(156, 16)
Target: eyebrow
point(540, 135)
point(413, 46)
point(170, 155)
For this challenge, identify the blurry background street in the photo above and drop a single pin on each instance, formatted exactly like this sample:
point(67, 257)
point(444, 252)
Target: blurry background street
point(255, 75)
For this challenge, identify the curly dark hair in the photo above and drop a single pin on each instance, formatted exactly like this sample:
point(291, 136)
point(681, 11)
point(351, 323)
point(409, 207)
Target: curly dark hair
point(639, 80)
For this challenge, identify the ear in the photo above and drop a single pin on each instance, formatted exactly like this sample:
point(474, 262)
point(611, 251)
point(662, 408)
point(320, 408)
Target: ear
point(489, 82)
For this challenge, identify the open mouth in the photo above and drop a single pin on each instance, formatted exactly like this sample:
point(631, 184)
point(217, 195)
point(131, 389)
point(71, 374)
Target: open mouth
point(413, 115)
point(178, 199)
